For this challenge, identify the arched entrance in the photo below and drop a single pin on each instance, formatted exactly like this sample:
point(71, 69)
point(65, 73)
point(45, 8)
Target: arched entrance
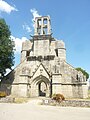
point(40, 86)
point(42, 89)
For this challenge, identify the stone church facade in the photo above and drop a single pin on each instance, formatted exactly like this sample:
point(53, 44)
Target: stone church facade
point(43, 70)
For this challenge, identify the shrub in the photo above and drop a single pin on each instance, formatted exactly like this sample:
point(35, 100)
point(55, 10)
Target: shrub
point(58, 97)
point(3, 94)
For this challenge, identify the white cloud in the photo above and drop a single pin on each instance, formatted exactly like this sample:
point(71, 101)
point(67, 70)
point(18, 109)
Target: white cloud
point(35, 14)
point(5, 7)
point(7, 71)
point(18, 43)
point(26, 27)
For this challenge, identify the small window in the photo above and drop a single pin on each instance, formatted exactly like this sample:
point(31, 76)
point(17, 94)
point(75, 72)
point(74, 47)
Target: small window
point(56, 52)
point(39, 23)
point(45, 21)
point(77, 77)
point(45, 31)
point(27, 53)
point(39, 31)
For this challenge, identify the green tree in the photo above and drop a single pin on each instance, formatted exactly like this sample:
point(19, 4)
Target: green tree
point(6, 48)
point(84, 72)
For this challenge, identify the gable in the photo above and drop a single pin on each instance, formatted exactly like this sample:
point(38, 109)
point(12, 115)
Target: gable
point(41, 70)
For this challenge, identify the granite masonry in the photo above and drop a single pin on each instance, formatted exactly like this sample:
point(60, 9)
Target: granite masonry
point(43, 70)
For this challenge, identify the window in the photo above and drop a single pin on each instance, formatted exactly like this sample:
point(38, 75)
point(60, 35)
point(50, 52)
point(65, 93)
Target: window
point(45, 21)
point(45, 31)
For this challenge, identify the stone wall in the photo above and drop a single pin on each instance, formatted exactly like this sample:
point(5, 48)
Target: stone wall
point(65, 103)
point(7, 100)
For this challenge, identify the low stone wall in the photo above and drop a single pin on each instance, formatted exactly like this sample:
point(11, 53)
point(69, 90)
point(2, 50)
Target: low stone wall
point(65, 103)
point(7, 100)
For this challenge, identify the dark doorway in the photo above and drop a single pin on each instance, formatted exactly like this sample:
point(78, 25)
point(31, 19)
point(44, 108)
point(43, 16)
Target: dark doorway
point(42, 89)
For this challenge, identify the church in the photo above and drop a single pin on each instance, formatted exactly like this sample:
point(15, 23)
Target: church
point(43, 69)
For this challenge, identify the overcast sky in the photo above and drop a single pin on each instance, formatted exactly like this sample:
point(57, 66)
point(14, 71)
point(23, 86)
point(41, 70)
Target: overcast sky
point(70, 22)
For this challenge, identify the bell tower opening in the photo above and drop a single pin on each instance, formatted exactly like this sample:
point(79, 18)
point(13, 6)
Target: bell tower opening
point(42, 26)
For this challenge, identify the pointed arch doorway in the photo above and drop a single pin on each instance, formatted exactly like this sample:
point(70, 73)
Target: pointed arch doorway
point(42, 89)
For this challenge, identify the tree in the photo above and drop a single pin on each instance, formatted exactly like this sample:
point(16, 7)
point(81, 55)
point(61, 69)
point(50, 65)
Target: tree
point(84, 72)
point(6, 48)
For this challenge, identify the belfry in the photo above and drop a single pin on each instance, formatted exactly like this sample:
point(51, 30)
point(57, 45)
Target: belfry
point(43, 70)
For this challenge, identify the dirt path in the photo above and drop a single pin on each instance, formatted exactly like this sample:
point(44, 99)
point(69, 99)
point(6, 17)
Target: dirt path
point(33, 111)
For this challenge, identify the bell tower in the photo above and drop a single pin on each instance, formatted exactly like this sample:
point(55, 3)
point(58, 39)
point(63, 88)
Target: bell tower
point(42, 26)
point(42, 36)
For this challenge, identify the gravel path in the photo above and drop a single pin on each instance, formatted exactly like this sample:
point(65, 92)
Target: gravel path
point(33, 111)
